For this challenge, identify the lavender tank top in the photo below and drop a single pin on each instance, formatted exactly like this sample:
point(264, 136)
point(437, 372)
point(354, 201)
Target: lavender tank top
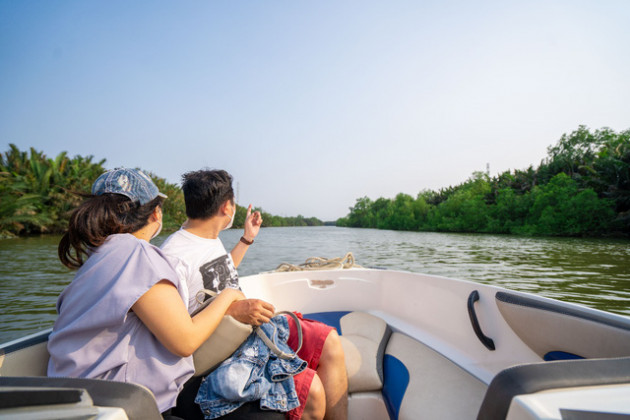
point(96, 335)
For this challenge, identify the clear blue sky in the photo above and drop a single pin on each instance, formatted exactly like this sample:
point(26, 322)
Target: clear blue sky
point(311, 105)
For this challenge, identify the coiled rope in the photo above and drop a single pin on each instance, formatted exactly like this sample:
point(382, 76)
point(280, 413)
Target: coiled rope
point(319, 263)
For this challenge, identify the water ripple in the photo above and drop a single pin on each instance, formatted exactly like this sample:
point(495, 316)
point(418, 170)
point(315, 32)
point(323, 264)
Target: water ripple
point(590, 272)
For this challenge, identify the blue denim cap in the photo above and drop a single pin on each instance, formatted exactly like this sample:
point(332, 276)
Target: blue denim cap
point(128, 182)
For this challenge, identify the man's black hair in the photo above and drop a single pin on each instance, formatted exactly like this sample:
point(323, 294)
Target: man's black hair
point(205, 191)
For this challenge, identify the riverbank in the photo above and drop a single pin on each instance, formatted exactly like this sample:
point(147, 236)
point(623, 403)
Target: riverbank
point(582, 188)
point(38, 194)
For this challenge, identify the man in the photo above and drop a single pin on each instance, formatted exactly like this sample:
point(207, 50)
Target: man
point(204, 263)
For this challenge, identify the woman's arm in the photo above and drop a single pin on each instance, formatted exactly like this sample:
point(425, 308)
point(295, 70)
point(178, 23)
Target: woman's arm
point(163, 312)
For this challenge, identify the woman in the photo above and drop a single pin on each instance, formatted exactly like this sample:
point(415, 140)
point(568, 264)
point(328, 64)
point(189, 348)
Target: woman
point(123, 317)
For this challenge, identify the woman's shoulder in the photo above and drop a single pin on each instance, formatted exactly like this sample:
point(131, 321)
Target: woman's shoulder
point(121, 239)
point(139, 259)
point(126, 241)
point(125, 246)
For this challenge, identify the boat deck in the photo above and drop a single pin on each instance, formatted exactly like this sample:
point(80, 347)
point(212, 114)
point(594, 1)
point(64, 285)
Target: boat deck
point(415, 346)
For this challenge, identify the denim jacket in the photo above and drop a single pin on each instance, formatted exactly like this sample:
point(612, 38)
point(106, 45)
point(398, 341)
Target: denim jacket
point(253, 373)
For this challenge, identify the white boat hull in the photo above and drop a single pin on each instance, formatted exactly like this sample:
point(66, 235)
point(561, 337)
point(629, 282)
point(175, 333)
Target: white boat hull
point(432, 319)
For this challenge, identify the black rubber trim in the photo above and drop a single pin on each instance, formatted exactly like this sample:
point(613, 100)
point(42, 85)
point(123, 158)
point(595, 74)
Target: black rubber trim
point(485, 340)
point(380, 353)
point(18, 397)
point(23, 343)
point(535, 377)
point(552, 307)
point(138, 402)
point(567, 414)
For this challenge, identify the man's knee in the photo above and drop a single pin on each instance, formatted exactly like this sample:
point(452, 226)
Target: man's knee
point(333, 350)
point(315, 407)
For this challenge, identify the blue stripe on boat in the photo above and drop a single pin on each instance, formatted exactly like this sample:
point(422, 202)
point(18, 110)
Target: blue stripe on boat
point(329, 318)
point(394, 385)
point(560, 355)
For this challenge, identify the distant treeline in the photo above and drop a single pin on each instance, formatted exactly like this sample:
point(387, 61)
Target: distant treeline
point(37, 194)
point(582, 188)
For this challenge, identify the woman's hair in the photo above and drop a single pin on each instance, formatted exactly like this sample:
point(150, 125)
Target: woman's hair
point(205, 191)
point(97, 218)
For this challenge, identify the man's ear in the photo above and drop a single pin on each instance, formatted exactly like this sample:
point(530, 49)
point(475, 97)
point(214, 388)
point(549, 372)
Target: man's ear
point(224, 208)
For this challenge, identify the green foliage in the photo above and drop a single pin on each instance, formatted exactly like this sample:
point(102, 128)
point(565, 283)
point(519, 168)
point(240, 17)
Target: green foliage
point(270, 220)
point(174, 208)
point(403, 216)
point(510, 211)
point(465, 209)
point(581, 188)
point(37, 194)
point(559, 208)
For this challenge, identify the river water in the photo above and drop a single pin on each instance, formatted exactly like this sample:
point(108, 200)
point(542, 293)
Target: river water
point(592, 272)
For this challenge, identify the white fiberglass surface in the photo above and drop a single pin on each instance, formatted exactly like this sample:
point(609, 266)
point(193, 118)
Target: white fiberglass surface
point(431, 309)
point(547, 404)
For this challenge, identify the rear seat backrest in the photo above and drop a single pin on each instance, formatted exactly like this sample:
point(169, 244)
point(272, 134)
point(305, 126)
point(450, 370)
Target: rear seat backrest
point(364, 338)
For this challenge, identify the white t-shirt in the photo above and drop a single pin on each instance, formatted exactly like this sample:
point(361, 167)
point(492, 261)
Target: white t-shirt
point(202, 263)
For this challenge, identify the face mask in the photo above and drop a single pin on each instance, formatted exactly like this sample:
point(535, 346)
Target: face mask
point(229, 225)
point(159, 229)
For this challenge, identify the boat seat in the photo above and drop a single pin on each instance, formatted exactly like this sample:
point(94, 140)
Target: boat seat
point(420, 380)
point(137, 401)
point(393, 376)
point(364, 338)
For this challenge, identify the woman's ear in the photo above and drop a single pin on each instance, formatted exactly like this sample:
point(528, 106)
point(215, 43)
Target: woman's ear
point(157, 214)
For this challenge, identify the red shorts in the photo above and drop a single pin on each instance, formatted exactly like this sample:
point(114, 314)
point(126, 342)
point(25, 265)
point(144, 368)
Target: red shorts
point(314, 334)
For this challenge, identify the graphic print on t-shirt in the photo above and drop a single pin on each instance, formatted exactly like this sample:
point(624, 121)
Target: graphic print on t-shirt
point(219, 274)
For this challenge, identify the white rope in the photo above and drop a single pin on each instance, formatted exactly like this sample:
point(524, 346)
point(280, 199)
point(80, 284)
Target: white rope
point(319, 263)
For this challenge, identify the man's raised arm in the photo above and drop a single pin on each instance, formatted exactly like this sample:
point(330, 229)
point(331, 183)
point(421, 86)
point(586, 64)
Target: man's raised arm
point(253, 221)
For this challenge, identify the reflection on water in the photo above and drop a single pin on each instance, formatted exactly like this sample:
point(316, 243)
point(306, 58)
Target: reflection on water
point(31, 277)
point(591, 272)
